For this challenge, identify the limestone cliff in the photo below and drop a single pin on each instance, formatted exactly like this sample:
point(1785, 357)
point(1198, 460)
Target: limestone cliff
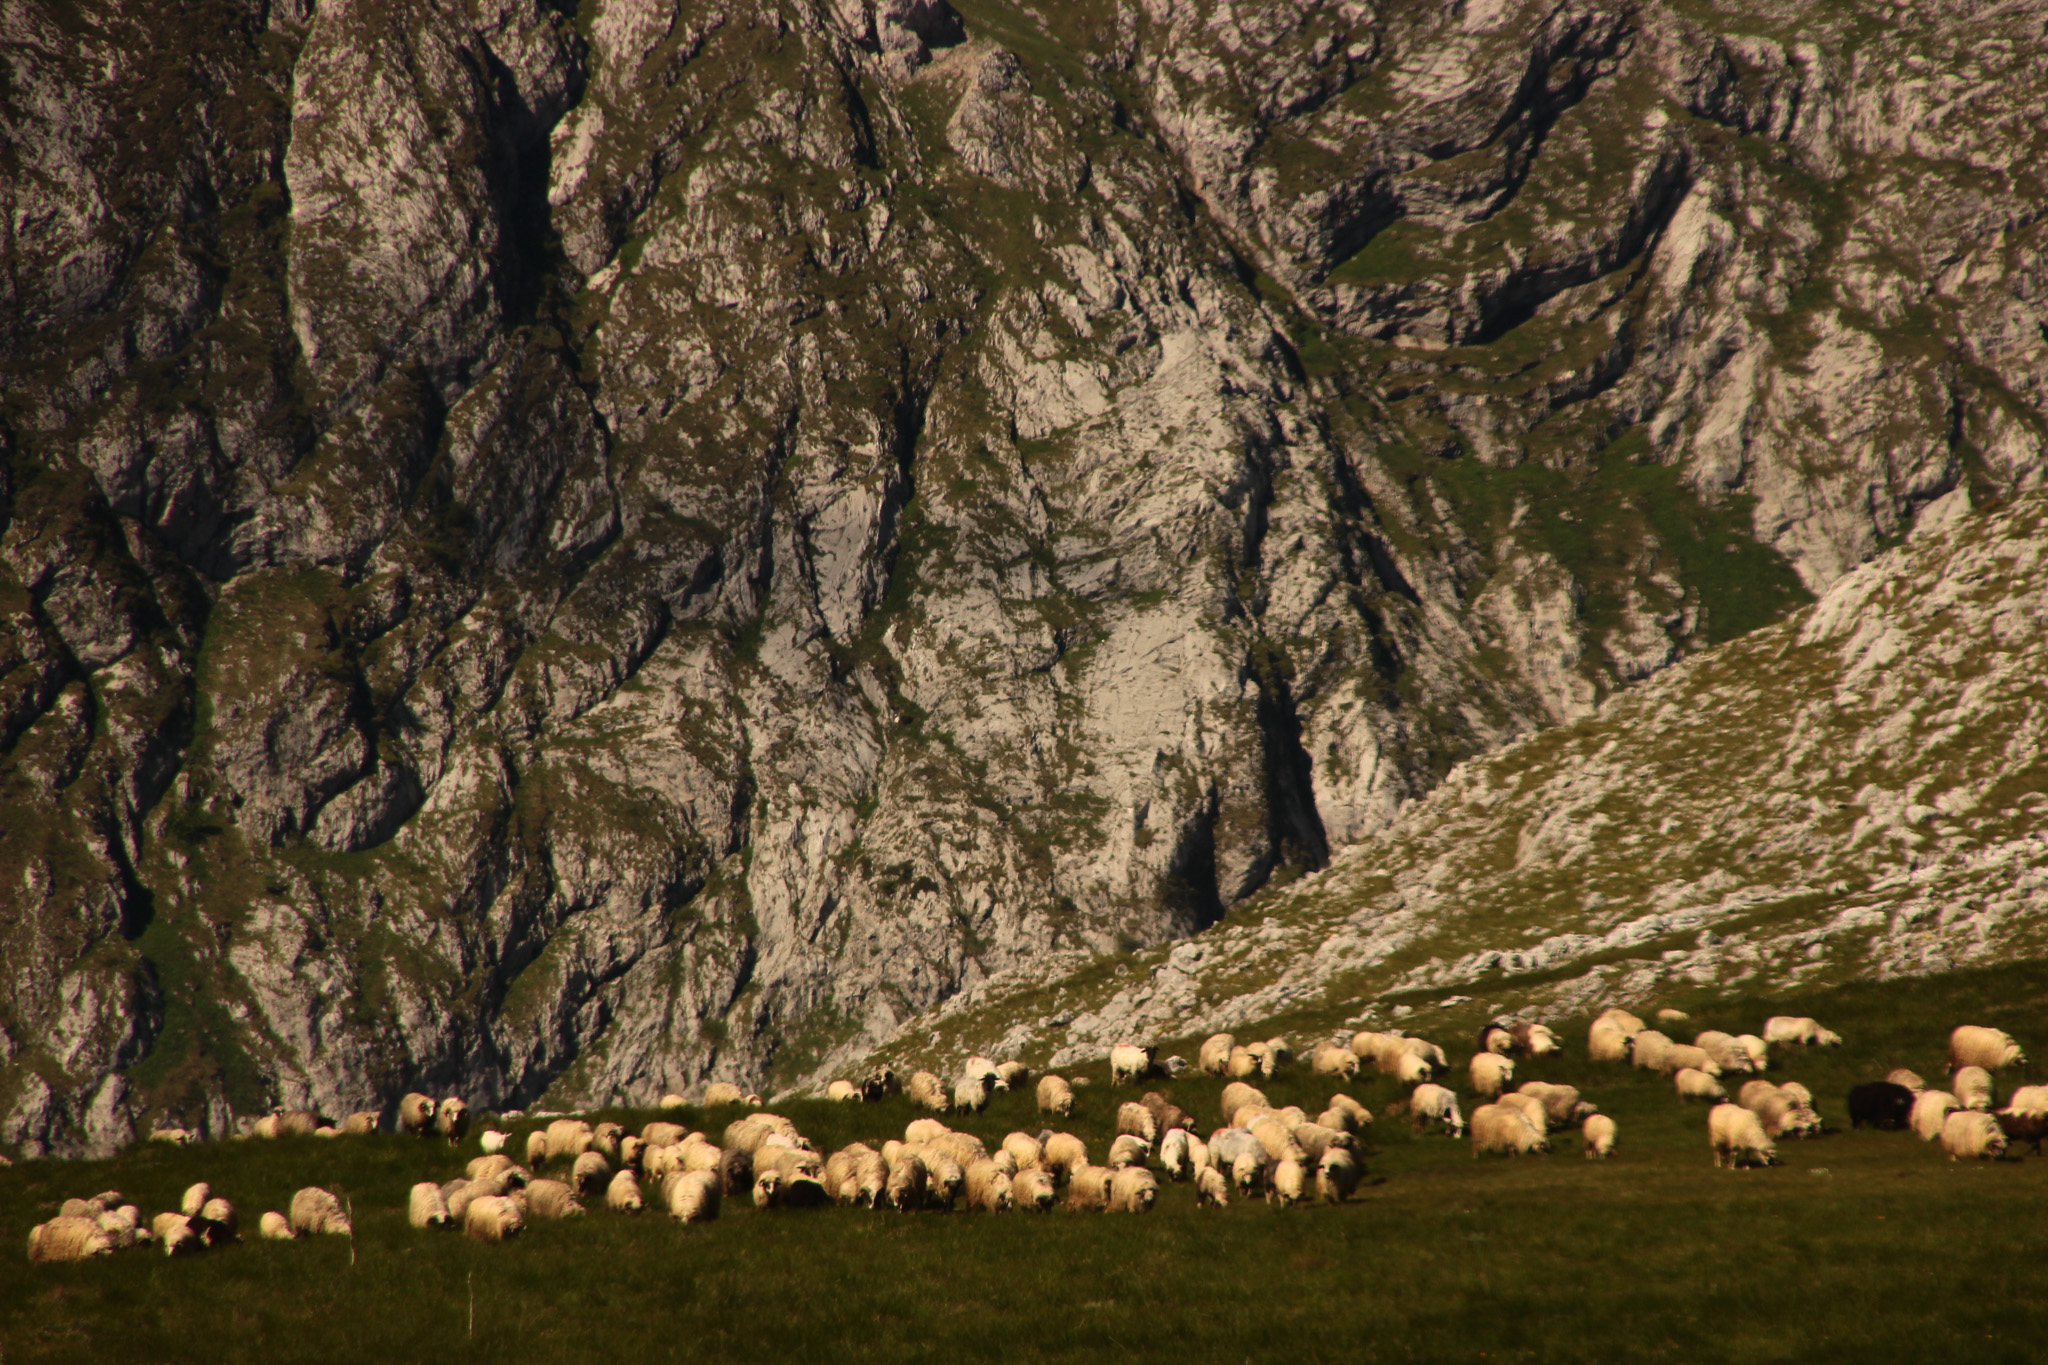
point(576, 547)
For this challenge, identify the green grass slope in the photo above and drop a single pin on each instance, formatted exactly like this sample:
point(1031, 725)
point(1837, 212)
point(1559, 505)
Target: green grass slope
point(1862, 1246)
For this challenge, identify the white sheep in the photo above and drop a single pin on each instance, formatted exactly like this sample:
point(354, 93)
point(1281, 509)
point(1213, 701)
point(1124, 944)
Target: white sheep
point(176, 1137)
point(1133, 1190)
point(989, 1188)
point(1055, 1096)
point(1728, 1054)
point(1698, 1085)
point(415, 1114)
point(1989, 1048)
point(1490, 1073)
point(552, 1199)
point(1971, 1085)
point(1668, 1015)
point(426, 1207)
point(1909, 1079)
point(1215, 1054)
point(451, 1119)
point(1287, 1184)
point(1248, 1173)
point(725, 1092)
point(1173, 1155)
point(1088, 1188)
point(569, 1138)
point(1530, 1108)
point(1798, 1031)
point(71, 1238)
point(1598, 1133)
point(1619, 1018)
point(174, 1233)
point(1337, 1176)
point(276, 1227)
point(1212, 1189)
point(1129, 1063)
point(972, 1093)
point(1064, 1154)
point(1435, 1104)
point(1505, 1129)
point(1128, 1150)
point(493, 1142)
point(693, 1196)
point(1931, 1109)
point(843, 1091)
point(622, 1195)
point(1357, 1117)
point(1332, 1059)
point(314, 1210)
point(1972, 1134)
point(590, 1173)
point(1607, 1043)
point(1237, 1095)
point(1033, 1190)
point(1561, 1103)
point(536, 1147)
point(1738, 1138)
point(493, 1218)
point(1756, 1049)
point(1681, 1055)
point(672, 1101)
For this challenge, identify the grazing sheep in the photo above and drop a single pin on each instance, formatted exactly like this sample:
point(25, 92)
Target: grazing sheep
point(2025, 1116)
point(1360, 1116)
point(1728, 1054)
point(451, 1119)
point(360, 1124)
point(693, 1196)
point(605, 1138)
point(176, 1137)
point(962, 1147)
point(493, 1218)
point(1132, 1190)
point(1027, 1150)
point(1738, 1139)
point(1237, 1095)
point(1496, 1039)
point(1989, 1048)
point(1797, 1093)
point(1337, 1176)
point(733, 1167)
point(1226, 1145)
point(1606, 1043)
point(1248, 1173)
point(314, 1210)
point(1287, 1184)
point(1561, 1103)
point(552, 1199)
point(1055, 1096)
point(972, 1093)
point(1165, 1112)
point(1064, 1154)
point(1931, 1109)
point(1212, 1189)
point(631, 1151)
point(1621, 1019)
point(176, 1235)
point(1088, 1188)
point(1667, 1015)
point(590, 1173)
point(907, 1180)
point(622, 1195)
point(1128, 1150)
point(1215, 1054)
point(1173, 1154)
point(536, 1147)
point(1137, 1120)
point(923, 1130)
point(927, 1091)
point(1681, 1055)
point(725, 1092)
point(945, 1178)
point(415, 1114)
point(869, 1183)
point(1276, 1138)
point(427, 1208)
point(195, 1198)
point(1599, 1133)
point(1243, 1063)
point(658, 1133)
point(1756, 1049)
point(1909, 1079)
point(1880, 1104)
point(1798, 1031)
point(1411, 1069)
point(1033, 1190)
point(1331, 1059)
point(1698, 1085)
point(1971, 1085)
point(988, 1188)
point(1505, 1129)
point(1315, 1140)
point(1648, 1049)
point(1490, 1073)
point(492, 1142)
point(1279, 1053)
point(1129, 1063)
point(569, 1138)
point(1785, 1117)
point(1534, 1040)
point(276, 1227)
point(1012, 1075)
point(1434, 1104)
point(1972, 1134)
point(843, 1091)
point(68, 1239)
point(671, 1100)
point(1530, 1108)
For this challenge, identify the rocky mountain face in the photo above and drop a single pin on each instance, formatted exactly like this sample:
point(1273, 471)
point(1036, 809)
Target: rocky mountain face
point(1859, 792)
point(567, 547)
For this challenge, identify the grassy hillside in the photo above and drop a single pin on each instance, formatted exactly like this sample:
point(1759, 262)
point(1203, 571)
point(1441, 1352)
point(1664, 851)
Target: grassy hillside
point(1859, 1243)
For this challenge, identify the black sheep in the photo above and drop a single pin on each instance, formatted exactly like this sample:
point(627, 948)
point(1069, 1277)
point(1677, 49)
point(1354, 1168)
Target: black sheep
point(1880, 1104)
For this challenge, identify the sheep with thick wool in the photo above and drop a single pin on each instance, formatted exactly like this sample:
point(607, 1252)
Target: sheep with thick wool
point(552, 1199)
point(71, 1238)
point(927, 1091)
point(1931, 1109)
point(569, 1138)
point(723, 1092)
point(1598, 1133)
point(1137, 1120)
point(590, 1174)
point(1287, 1182)
point(1679, 1056)
point(1989, 1048)
point(1173, 1154)
point(1332, 1059)
point(1972, 1087)
point(1504, 1129)
point(1129, 1063)
point(843, 1091)
point(1337, 1175)
point(493, 1218)
point(1606, 1043)
point(693, 1196)
point(1088, 1188)
point(1055, 1096)
point(1648, 1049)
point(1972, 1135)
point(1756, 1049)
point(1214, 1056)
point(314, 1211)
point(1435, 1105)
point(1063, 1154)
point(1738, 1139)
point(427, 1207)
point(1128, 1150)
point(1238, 1095)
point(416, 1114)
point(451, 1119)
point(1529, 1107)
point(623, 1195)
point(1033, 1190)
point(988, 1188)
point(1790, 1030)
point(1561, 1103)
point(1490, 1073)
point(1212, 1189)
point(1726, 1052)
point(1132, 1190)
point(1694, 1084)
point(971, 1094)
point(1900, 1076)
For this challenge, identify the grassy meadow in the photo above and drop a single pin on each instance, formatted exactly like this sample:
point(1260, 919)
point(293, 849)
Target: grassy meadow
point(1864, 1246)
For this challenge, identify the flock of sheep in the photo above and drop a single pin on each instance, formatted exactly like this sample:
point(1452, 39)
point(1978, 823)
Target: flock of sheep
point(1279, 1152)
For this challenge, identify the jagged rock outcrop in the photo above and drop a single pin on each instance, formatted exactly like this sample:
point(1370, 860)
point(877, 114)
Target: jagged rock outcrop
point(572, 549)
point(1858, 792)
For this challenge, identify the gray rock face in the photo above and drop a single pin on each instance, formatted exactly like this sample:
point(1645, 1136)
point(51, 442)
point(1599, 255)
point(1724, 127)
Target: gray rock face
point(575, 550)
